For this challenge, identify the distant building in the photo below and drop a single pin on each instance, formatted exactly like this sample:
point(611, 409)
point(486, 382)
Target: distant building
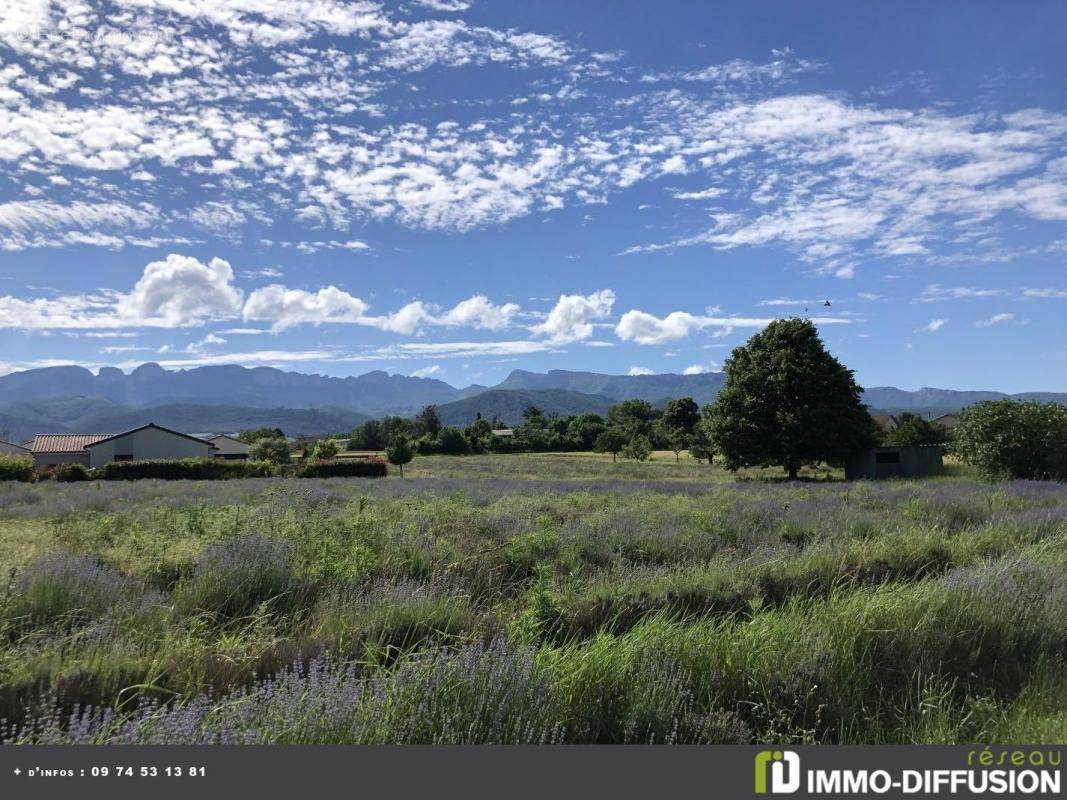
point(946, 421)
point(9, 449)
point(228, 447)
point(894, 462)
point(504, 433)
point(885, 422)
point(150, 442)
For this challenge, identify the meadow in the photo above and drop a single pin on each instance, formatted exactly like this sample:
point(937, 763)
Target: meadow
point(526, 598)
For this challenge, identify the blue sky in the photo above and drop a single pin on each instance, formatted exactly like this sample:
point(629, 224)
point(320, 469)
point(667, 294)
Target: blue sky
point(458, 188)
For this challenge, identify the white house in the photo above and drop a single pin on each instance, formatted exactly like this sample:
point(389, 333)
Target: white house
point(150, 442)
point(228, 447)
point(9, 449)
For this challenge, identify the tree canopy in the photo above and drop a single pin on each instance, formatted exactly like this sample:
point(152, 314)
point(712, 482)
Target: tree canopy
point(914, 431)
point(788, 402)
point(1014, 439)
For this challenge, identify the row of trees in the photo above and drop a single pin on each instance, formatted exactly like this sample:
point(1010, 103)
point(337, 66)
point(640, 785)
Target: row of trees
point(786, 401)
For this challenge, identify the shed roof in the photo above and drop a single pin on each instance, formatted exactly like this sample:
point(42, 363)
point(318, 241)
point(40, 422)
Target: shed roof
point(12, 444)
point(65, 442)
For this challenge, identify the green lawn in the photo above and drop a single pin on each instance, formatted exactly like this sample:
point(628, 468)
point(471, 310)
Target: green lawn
point(547, 597)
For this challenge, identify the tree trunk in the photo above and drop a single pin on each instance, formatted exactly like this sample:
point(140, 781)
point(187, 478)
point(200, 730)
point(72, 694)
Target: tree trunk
point(792, 468)
point(401, 470)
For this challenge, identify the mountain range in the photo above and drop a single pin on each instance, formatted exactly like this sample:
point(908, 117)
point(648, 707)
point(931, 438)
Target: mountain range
point(227, 398)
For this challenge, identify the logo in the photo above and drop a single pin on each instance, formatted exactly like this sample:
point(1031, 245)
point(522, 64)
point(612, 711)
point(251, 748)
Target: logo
point(784, 769)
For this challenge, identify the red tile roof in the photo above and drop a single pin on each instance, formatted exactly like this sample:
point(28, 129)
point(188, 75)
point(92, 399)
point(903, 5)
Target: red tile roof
point(65, 442)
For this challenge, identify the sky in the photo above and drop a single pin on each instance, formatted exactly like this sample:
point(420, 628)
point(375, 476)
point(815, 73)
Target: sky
point(458, 188)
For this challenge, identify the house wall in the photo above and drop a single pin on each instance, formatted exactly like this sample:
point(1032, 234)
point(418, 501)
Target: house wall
point(229, 448)
point(50, 459)
point(149, 444)
point(9, 449)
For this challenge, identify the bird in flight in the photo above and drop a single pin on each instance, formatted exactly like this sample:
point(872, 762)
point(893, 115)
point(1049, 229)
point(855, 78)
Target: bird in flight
point(827, 304)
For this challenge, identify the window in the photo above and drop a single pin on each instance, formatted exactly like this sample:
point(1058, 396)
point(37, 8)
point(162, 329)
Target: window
point(887, 458)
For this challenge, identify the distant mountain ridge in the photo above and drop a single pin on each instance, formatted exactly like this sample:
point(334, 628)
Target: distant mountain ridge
point(208, 398)
point(23, 419)
point(374, 393)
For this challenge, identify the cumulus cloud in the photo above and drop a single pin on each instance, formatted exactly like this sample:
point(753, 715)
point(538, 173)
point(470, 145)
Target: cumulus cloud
point(934, 325)
point(285, 307)
point(694, 369)
point(572, 318)
point(480, 313)
point(180, 291)
point(640, 371)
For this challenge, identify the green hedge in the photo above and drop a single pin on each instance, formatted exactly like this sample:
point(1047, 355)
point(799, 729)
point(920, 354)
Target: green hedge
point(16, 468)
point(197, 469)
point(346, 468)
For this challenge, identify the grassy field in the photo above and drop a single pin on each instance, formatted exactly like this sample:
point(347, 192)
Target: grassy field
point(535, 598)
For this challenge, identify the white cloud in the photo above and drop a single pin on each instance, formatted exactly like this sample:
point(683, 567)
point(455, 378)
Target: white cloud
point(572, 318)
point(935, 292)
point(704, 194)
point(934, 325)
point(640, 371)
point(444, 5)
point(285, 307)
point(695, 369)
point(1045, 293)
point(996, 319)
point(644, 328)
point(426, 372)
point(39, 223)
point(180, 291)
point(480, 313)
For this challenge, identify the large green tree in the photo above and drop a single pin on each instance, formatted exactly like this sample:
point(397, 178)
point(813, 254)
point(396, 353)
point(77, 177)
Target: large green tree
point(636, 417)
point(787, 401)
point(427, 422)
point(681, 414)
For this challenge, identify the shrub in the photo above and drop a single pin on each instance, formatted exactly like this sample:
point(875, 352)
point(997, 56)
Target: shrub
point(273, 449)
point(198, 469)
point(346, 468)
point(16, 468)
point(1014, 439)
point(70, 473)
point(451, 441)
point(324, 450)
point(638, 449)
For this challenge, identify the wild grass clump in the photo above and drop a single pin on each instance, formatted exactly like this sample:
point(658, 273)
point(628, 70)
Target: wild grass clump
point(232, 578)
point(64, 590)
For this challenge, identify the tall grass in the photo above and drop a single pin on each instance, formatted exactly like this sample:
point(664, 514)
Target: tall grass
point(531, 610)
